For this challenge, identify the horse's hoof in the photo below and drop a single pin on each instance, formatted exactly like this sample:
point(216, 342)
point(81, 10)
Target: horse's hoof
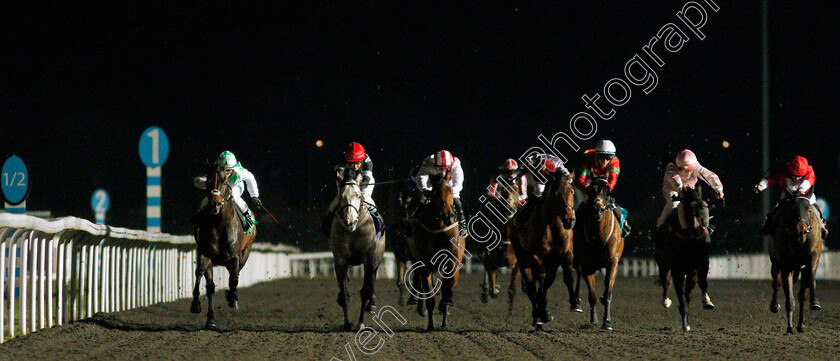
point(666, 302)
point(430, 328)
point(210, 325)
point(361, 326)
point(233, 304)
point(607, 327)
point(484, 298)
point(538, 326)
point(815, 306)
point(576, 308)
point(800, 328)
point(195, 307)
point(789, 331)
point(371, 308)
point(775, 308)
point(547, 317)
point(347, 326)
point(686, 328)
point(709, 306)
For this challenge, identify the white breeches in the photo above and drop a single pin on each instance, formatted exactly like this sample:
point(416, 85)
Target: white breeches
point(670, 205)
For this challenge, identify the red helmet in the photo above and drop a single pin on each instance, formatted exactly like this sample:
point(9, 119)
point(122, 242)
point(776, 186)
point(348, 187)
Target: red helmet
point(510, 164)
point(444, 160)
point(798, 166)
point(354, 153)
point(547, 166)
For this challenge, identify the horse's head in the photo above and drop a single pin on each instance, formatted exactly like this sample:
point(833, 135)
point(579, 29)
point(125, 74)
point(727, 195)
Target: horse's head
point(598, 191)
point(560, 197)
point(350, 203)
point(693, 211)
point(216, 201)
point(509, 197)
point(442, 198)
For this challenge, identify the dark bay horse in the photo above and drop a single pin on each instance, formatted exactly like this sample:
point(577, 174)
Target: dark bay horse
point(439, 248)
point(545, 244)
point(399, 242)
point(221, 241)
point(354, 241)
point(503, 255)
point(684, 253)
point(598, 244)
point(795, 248)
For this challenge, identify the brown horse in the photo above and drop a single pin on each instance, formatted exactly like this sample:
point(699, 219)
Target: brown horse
point(437, 246)
point(221, 241)
point(795, 248)
point(684, 252)
point(399, 242)
point(544, 244)
point(598, 244)
point(502, 255)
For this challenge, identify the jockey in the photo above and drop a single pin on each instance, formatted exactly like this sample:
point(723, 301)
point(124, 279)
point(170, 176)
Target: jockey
point(600, 162)
point(443, 163)
point(684, 173)
point(510, 177)
point(353, 161)
point(547, 165)
point(239, 179)
point(796, 180)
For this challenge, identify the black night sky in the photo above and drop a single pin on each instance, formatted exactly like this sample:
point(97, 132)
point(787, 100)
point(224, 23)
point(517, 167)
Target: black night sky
point(81, 82)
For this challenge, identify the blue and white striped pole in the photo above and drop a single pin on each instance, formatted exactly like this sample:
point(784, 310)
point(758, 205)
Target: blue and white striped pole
point(16, 209)
point(153, 191)
point(154, 148)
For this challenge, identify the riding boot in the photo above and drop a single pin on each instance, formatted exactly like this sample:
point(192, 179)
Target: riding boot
point(822, 222)
point(249, 221)
point(625, 229)
point(326, 224)
point(459, 212)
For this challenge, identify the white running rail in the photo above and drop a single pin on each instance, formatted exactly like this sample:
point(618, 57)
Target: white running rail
point(63, 270)
point(751, 266)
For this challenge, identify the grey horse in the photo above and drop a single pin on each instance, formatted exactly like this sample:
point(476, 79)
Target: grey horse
point(353, 241)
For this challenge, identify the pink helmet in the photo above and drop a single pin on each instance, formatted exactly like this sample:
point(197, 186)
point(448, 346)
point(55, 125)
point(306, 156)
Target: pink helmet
point(510, 164)
point(687, 160)
point(444, 160)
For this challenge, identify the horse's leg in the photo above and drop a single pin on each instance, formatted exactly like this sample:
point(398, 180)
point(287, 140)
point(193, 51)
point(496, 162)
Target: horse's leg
point(568, 279)
point(202, 265)
point(400, 284)
point(514, 275)
point(679, 277)
point(550, 276)
point(494, 288)
point(787, 284)
point(446, 300)
point(590, 284)
point(530, 286)
point(366, 293)
point(231, 294)
point(803, 287)
point(812, 285)
point(609, 282)
point(541, 291)
point(702, 280)
point(211, 289)
point(343, 297)
point(664, 278)
point(775, 275)
point(485, 286)
point(419, 282)
point(430, 303)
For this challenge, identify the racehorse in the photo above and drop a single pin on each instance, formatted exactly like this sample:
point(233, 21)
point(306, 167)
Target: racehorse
point(221, 241)
point(354, 241)
point(544, 244)
point(437, 246)
point(399, 243)
point(795, 248)
point(598, 244)
point(503, 255)
point(684, 252)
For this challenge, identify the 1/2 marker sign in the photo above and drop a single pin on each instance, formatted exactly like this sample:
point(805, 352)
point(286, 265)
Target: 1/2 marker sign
point(154, 147)
point(14, 180)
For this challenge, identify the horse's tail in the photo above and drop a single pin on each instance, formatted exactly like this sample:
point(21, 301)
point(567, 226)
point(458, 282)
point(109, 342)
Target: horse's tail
point(795, 275)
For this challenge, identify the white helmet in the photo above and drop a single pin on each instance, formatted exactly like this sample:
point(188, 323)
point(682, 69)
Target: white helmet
point(605, 147)
point(226, 160)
